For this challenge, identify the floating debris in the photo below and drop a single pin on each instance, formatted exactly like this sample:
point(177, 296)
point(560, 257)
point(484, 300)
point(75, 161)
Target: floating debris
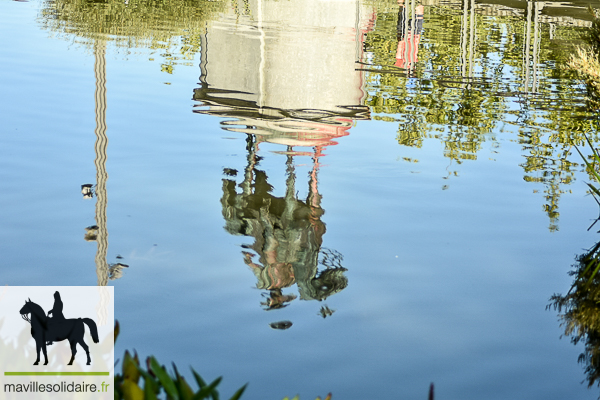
point(325, 311)
point(281, 325)
point(276, 299)
point(87, 191)
point(115, 271)
point(91, 233)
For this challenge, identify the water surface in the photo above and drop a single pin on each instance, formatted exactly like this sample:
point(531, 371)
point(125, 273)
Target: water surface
point(407, 198)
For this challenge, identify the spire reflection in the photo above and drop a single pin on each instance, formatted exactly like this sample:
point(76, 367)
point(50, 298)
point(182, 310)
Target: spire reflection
point(287, 232)
point(302, 92)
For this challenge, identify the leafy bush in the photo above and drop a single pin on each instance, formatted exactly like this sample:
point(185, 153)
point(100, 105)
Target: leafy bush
point(156, 379)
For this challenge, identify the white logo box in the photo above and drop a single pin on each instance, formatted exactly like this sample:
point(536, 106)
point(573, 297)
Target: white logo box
point(20, 379)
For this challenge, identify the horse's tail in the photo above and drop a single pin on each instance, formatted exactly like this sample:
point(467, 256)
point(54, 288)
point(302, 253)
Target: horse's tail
point(93, 329)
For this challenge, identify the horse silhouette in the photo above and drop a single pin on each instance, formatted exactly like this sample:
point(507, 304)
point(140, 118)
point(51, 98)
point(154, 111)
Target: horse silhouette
point(44, 329)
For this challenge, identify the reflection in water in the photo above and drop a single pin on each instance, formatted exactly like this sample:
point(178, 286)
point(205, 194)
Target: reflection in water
point(467, 38)
point(483, 70)
point(409, 35)
point(281, 325)
point(579, 311)
point(294, 127)
point(279, 86)
point(87, 190)
point(288, 233)
point(533, 44)
point(325, 311)
point(275, 85)
point(282, 84)
point(170, 27)
point(278, 68)
point(99, 232)
point(100, 162)
point(153, 25)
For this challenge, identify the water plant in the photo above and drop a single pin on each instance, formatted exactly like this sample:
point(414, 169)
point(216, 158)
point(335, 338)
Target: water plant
point(578, 310)
point(158, 382)
point(579, 313)
point(156, 379)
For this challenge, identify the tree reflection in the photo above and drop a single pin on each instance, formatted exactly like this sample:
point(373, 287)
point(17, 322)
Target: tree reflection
point(172, 27)
point(409, 35)
point(479, 76)
point(579, 311)
point(288, 232)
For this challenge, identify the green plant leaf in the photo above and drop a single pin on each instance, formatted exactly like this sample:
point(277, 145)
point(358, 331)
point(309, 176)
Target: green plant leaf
point(185, 391)
point(208, 390)
point(150, 389)
point(164, 378)
point(202, 384)
point(150, 380)
point(130, 368)
point(199, 379)
point(117, 330)
point(238, 394)
point(131, 391)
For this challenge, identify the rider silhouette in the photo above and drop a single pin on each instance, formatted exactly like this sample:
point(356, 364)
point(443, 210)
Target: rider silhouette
point(57, 312)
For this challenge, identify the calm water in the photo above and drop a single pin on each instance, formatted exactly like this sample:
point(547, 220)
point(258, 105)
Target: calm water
point(403, 191)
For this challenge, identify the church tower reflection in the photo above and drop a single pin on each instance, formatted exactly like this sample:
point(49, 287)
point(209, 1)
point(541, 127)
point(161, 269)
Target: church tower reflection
point(287, 232)
point(299, 92)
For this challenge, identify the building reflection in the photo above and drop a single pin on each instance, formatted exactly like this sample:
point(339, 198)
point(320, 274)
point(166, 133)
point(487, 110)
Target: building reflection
point(303, 92)
point(287, 232)
point(280, 83)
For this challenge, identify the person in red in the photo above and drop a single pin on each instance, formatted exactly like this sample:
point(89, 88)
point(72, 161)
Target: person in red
point(409, 36)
